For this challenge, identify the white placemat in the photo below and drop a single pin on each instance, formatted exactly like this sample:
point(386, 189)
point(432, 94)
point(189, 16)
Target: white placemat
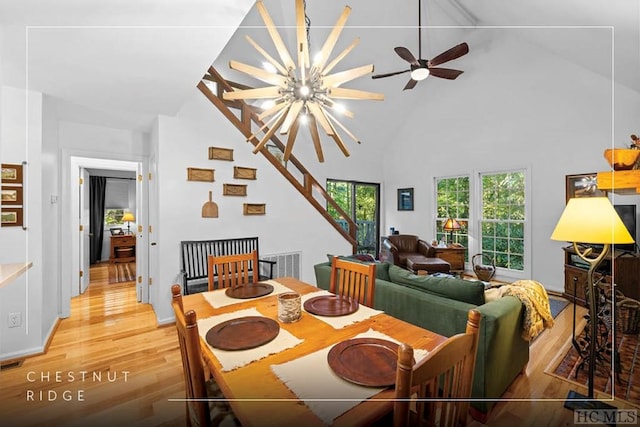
point(219, 298)
point(231, 360)
point(338, 322)
point(312, 380)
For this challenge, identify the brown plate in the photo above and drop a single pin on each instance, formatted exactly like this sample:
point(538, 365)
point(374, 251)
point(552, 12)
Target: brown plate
point(243, 333)
point(331, 305)
point(252, 290)
point(365, 361)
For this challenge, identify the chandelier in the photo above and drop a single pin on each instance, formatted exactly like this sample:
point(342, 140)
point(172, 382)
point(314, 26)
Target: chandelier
point(302, 95)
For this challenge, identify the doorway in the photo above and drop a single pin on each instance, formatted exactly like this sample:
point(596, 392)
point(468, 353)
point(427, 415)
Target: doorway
point(361, 200)
point(75, 225)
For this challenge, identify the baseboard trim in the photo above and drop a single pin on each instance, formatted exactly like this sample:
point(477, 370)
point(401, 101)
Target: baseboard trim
point(35, 351)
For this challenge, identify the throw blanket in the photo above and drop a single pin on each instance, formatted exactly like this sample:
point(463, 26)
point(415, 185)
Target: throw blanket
point(536, 306)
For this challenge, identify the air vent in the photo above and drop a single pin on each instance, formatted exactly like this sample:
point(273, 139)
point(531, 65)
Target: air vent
point(287, 264)
point(12, 364)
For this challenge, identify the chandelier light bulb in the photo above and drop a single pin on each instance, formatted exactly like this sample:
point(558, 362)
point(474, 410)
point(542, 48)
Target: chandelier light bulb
point(268, 66)
point(268, 104)
point(304, 91)
point(339, 107)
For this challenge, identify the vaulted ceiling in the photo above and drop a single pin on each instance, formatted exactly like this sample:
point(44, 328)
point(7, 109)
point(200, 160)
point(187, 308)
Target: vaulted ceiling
point(121, 63)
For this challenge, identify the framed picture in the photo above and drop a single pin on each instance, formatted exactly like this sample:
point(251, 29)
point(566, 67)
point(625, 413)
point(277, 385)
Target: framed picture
point(405, 199)
point(11, 217)
point(11, 174)
point(198, 174)
point(116, 231)
point(277, 153)
point(11, 196)
point(583, 185)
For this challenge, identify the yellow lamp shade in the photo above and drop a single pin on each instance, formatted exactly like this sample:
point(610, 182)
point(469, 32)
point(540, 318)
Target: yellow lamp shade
point(591, 220)
point(128, 216)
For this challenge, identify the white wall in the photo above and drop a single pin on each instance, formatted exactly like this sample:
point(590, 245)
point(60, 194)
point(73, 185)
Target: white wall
point(514, 109)
point(290, 223)
point(21, 140)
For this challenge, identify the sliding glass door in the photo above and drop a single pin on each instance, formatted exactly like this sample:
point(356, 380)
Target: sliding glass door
point(362, 202)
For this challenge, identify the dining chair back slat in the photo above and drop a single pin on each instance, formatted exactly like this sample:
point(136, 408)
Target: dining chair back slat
point(197, 407)
point(353, 279)
point(229, 271)
point(441, 381)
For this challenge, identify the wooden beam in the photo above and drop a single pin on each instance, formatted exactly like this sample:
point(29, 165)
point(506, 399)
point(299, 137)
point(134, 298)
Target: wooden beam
point(268, 57)
point(275, 36)
point(343, 93)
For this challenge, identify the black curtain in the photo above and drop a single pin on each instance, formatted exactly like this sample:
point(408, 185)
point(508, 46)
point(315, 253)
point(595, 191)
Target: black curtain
point(97, 186)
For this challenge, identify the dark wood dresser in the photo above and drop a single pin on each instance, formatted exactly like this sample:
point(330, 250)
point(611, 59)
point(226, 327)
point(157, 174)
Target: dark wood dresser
point(123, 248)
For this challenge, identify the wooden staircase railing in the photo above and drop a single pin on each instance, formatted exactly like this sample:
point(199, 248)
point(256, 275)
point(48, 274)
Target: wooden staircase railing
point(302, 180)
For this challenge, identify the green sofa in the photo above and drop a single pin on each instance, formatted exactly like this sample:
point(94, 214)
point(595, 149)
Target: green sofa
point(441, 305)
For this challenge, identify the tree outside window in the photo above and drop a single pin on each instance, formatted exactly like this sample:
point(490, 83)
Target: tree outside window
point(113, 216)
point(503, 218)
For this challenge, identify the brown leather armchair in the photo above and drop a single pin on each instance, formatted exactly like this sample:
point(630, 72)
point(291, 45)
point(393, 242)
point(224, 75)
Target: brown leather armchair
point(410, 252)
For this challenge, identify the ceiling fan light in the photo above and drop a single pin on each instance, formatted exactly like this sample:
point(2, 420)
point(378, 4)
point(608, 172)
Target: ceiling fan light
point(420, 73)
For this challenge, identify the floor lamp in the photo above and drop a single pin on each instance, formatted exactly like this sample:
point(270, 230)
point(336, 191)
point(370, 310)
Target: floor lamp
point(590, 220)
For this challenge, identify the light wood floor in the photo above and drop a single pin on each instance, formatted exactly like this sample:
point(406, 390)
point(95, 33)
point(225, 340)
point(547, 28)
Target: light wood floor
point(109, 333)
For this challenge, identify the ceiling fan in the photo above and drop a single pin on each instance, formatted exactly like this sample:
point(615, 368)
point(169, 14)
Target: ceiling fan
point(421, 68)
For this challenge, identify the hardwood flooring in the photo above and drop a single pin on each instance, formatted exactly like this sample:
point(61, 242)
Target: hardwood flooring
point(132, 367)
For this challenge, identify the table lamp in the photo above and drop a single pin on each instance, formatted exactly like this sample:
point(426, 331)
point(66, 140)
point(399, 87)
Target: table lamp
point(128, 217)
point(590, 220)
point(451, 225)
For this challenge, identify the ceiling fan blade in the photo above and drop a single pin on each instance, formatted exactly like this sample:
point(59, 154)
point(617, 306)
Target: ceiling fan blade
point(445, 73)
point(410, 84)
point(379, 76)
point(450, 55)
point(404, 53)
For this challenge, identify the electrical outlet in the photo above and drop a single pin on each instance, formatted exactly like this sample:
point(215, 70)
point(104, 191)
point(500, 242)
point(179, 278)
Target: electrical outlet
point(14, 320)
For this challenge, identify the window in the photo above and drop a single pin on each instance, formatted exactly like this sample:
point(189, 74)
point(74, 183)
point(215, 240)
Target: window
point(452, 201)
point(502, 222)
point(360, 200)
point(113, 216)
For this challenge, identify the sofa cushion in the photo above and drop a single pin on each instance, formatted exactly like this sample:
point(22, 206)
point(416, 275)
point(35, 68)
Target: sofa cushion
point(469, 291)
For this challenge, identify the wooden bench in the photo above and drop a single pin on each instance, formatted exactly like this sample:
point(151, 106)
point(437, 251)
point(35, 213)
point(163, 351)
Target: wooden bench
point(194, 253)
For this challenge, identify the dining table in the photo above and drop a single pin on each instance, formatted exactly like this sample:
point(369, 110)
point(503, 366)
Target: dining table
point(262, 389)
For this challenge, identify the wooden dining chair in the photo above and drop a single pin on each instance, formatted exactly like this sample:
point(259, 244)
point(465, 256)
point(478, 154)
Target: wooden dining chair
point(354, 279)
point(199, 411)
point(440, 384)
point(229, 271)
